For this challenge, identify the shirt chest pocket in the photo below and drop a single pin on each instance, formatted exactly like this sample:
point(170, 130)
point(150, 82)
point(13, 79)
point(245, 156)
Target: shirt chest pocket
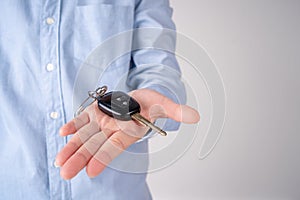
point(96, 22)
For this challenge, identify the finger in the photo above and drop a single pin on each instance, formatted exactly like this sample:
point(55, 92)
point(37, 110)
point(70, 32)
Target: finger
point(76, 141)
point(188, 114)
point(79, 160)
point(161, 106)
point(177, 112)
point(114, 146)
point(75, 124)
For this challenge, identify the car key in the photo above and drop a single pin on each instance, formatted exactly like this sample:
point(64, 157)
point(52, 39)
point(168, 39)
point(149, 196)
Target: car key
point(121, 106)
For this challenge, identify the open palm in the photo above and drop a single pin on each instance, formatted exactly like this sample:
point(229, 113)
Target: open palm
point(98, 138)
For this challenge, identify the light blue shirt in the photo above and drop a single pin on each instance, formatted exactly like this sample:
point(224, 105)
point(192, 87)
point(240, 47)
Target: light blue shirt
point(42, 46)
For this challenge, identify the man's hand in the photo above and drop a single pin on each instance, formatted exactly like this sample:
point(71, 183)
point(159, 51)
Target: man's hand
point(98, 138)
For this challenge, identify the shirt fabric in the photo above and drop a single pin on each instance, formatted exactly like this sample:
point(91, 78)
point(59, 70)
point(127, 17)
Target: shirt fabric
point(42, 46)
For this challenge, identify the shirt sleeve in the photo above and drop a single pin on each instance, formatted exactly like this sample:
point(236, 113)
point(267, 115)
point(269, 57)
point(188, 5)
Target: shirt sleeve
point(153, 62)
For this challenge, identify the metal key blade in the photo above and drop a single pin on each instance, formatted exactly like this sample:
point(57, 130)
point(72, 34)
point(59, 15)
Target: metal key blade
point(139, 118)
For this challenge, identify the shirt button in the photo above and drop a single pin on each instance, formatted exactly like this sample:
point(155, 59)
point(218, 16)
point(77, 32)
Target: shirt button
point(50, 20)
point(50, 67)
point(54, 115)
point(54, 164)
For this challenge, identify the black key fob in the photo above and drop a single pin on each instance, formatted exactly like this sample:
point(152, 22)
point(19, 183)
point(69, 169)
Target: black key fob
point(118, 105)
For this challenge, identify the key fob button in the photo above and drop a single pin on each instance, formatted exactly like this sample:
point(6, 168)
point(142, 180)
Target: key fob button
point(118, 105)
point(121, 106)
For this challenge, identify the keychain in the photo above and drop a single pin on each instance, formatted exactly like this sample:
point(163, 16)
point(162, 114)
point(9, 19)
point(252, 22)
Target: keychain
point(118, 105)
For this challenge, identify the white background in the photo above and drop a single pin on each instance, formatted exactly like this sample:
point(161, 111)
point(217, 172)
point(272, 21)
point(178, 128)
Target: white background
point(256, 46)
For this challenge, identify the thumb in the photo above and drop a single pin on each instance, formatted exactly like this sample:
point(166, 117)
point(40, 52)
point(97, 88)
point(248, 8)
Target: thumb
point(187, 114)
point(177, 112)
point(161, 106)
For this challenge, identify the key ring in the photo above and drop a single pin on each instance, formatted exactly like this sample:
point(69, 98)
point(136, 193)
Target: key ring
point(92, 95)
